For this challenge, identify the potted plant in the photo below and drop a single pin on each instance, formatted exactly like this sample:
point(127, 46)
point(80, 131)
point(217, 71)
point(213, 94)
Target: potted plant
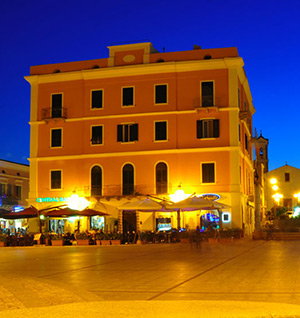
point(83, 239)
point(226, 236)
point(102, 238)
point(115, 238)
point(3, 239)
point(56, 240)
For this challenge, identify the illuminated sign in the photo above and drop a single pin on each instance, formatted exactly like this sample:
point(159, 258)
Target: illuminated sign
point(226, 217)
point(210, 196)
point(18, 208)
point(48, 199)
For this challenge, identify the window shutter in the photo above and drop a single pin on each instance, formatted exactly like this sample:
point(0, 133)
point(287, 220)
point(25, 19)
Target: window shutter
point(120, 133)
point(199, 129)
point(216, 128)
point(134, 134)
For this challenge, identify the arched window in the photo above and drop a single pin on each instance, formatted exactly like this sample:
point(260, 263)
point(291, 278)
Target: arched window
point(161, 178)
point(261, 152)
point(128, 180)
point(96, 180)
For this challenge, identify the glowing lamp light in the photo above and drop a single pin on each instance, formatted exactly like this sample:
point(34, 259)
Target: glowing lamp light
point(277, 197)
point(42, 217)
point(179, 195)
point(297, 195)
point(275, 187)
point(77, 203)
point(273, 181)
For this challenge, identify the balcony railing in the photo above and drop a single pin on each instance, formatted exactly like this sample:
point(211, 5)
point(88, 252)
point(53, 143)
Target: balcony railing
point(48, 113)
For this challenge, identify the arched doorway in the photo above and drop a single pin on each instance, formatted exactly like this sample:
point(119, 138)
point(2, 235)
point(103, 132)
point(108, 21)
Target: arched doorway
point(161, 178)
point(96, 181)
point(128, 180)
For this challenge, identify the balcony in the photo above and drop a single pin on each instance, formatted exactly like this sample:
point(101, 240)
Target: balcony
point(53, 113)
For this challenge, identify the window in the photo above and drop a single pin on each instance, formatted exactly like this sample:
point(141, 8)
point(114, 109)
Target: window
point(9, 190)
point(161, 130)
point(56, 137)
point(208, 173)
point(261, 152)
point(246, 142)
point(161, 178)
point(207, 94)
point(56, 179)
point(56, 104)
point(208, 128)
point(2, 189)
point(127, 132)
point(287, 177)
point(96, 181)
point(239, 133)
point(18, 192)
point(127, 96)
point(97, 135)
point(97, 99)
point(128, 180)
point(161, 94)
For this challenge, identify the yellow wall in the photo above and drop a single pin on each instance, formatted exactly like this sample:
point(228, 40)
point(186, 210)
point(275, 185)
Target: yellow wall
point(182, 152)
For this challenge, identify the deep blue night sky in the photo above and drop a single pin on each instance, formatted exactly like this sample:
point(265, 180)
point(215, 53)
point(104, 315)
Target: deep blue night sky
point(266, 34)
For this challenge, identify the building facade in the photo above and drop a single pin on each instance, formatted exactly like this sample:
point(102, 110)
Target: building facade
point(282, 187)
point(14, 187)
point(142, 122)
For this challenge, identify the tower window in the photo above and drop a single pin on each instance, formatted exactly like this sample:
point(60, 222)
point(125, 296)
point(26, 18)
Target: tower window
point(261, 152)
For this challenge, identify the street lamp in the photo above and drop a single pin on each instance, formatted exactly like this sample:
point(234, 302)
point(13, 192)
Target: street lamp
point(277, 197)
point(297, 195)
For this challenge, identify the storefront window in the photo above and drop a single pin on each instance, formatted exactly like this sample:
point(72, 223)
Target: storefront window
point(57, 226)
point(163, 224)
point(97, 223)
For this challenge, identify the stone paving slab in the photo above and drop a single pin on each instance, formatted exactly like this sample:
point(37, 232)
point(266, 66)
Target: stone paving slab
point(241, 272)
point(160, 309)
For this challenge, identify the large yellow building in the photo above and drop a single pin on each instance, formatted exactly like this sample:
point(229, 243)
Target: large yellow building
point(142, 122)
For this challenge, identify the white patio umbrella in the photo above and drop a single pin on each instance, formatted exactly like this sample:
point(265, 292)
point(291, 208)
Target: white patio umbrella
point(196, 203)
point(146, 205)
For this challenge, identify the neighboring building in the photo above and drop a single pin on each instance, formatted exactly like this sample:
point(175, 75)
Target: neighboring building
point(281, 186)
point(14, 186)
point(142, 122)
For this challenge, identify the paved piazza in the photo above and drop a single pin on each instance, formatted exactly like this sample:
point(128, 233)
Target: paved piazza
point(243, 271)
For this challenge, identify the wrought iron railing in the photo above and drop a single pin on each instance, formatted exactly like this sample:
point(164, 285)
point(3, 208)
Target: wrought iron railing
point(48, 113)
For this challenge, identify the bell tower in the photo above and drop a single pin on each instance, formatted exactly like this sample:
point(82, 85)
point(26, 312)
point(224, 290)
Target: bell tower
point(261, 152)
